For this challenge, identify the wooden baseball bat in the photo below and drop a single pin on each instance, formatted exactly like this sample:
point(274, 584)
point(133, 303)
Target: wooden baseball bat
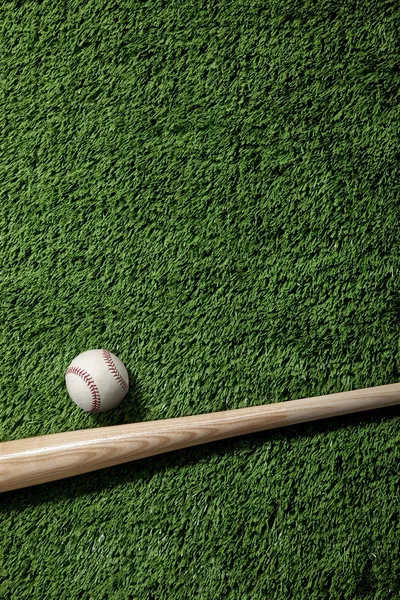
point(37, 460)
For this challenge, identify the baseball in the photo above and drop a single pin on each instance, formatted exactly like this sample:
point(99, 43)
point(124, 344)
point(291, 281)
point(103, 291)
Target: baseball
point(97, 380)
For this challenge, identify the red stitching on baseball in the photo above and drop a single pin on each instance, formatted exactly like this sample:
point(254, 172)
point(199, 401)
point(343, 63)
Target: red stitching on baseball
point(84, 375)
point(113, 369)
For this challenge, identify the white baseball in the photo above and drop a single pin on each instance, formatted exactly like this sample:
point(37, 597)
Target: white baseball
point(97, 380)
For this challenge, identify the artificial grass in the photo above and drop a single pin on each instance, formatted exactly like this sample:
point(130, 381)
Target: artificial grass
point(209, 190)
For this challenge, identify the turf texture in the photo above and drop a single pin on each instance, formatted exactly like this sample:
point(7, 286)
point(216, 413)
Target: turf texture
point(210, 190)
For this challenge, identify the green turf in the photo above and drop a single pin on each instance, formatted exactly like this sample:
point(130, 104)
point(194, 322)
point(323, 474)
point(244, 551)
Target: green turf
point(211, 191)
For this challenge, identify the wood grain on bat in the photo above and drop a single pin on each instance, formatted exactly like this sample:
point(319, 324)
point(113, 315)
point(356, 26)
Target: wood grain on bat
point(37, 460)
